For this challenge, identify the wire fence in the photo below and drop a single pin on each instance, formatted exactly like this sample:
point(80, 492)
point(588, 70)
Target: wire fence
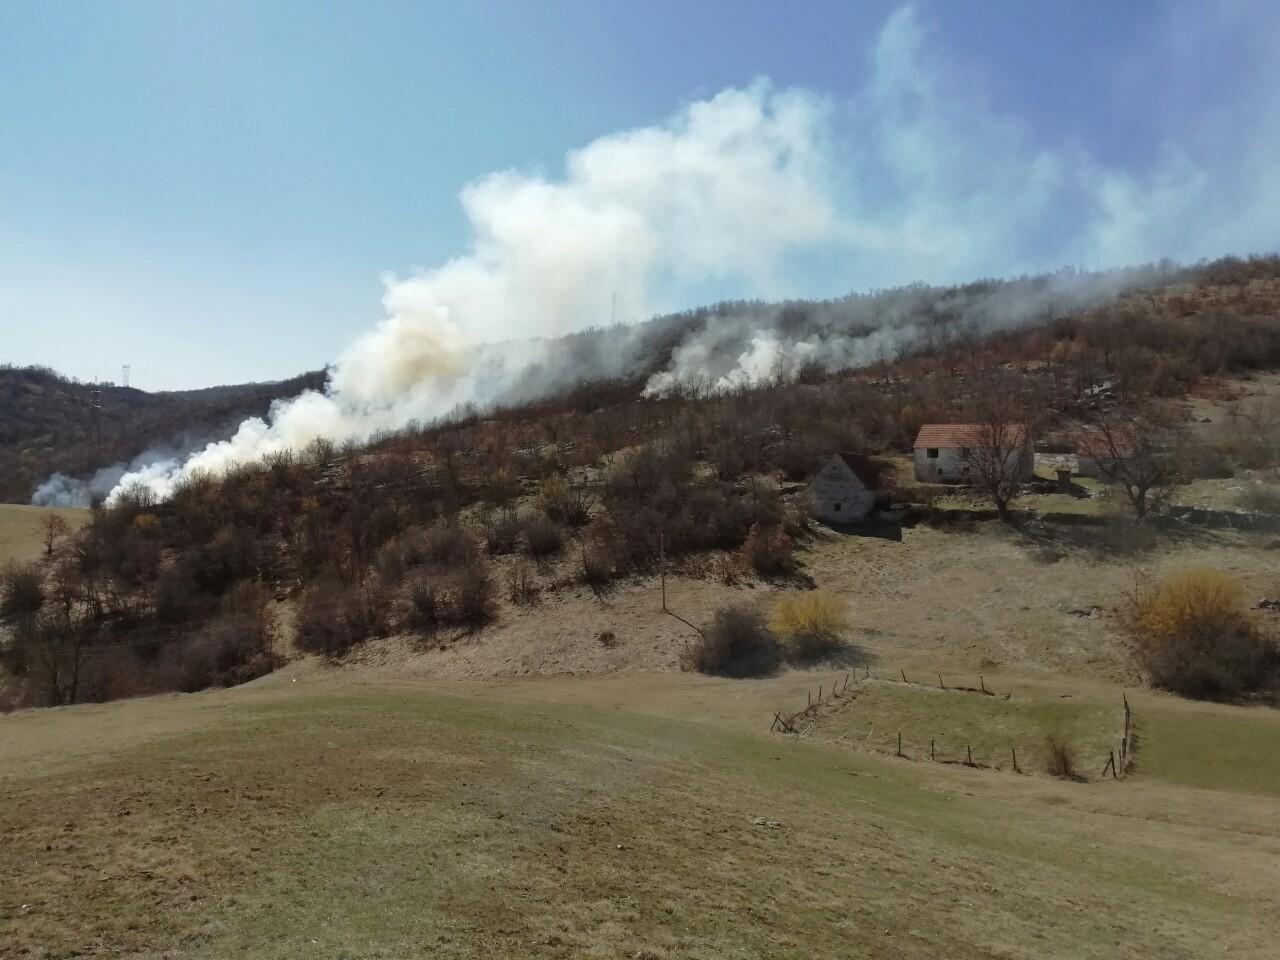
point(958, 749)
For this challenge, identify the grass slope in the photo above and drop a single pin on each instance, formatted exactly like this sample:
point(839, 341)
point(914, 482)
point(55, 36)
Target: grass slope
point(20, 533)
point(386, 820)
point(958, 722)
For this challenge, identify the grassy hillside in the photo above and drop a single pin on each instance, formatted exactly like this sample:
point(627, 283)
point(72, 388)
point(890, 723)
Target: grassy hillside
point(21, 536)
point(300, 817)
point(48, 423)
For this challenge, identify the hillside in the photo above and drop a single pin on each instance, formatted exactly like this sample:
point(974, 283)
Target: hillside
point(464, 527)
point(324, 814)
point(462, 719)
point(49, 424)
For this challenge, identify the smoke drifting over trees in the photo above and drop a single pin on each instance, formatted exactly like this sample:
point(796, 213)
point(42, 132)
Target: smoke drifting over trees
point(759, 190)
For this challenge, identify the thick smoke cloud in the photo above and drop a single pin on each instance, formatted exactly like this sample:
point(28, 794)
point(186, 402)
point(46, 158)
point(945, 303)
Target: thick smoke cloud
point(724, 190)
point(762, 191)
point(61, 490)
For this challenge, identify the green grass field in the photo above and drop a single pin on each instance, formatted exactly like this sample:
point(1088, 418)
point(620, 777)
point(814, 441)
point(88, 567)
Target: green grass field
point(988, 728)
point(1228, 749)
point(322, 820)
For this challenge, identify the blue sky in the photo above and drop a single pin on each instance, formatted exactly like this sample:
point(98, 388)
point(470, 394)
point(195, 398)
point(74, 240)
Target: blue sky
point(213, 192)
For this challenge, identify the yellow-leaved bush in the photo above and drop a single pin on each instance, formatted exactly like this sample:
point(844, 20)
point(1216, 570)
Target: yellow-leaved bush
point(1195, 636)
point(812, 624)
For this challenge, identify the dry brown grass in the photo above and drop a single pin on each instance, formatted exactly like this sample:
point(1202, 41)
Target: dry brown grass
point(316, 819)
point(21, 536)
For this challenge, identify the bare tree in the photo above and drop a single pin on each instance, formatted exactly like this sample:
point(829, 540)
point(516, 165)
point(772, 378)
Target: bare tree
point(1002, 458)
point(52, 529)
point(1140, 451)
point(998, 463)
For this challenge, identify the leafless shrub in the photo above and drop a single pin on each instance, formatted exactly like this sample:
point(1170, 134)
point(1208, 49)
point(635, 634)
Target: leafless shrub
point(425, 611)
point(471, 596)
point(522, 589)
point(334, 617)
point(598, 566)
point(447, 545)
point(463, 598)
point(769, 551)
point(21, 590)
point(542, 536)
point(1060, 761)
point(730, 567)
point(797, 517)
point(501, 531)
point(738, 643)
point(564, 502)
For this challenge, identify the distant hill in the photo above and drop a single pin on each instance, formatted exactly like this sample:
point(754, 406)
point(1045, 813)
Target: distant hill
point(48, 423)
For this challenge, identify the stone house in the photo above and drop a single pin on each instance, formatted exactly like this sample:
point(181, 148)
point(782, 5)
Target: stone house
point(944, 451)
point(1102, 456)
point(844, 490)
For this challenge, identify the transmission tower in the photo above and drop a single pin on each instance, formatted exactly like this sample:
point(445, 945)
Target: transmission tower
point(124, 375)
point(95, 413)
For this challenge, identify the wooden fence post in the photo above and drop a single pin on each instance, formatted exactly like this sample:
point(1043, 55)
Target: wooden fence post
point(931, 748)
point(940, 683)
point(968, 750)
point(899, 743)
point(1014, 751)
point(904, 676)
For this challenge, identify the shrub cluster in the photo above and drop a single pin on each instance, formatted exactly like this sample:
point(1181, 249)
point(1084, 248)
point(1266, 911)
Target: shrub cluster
point(463, 598)
point(738, 643)
point(1195, 637)
point(21, 590)
point(769, 551)
point(335, 617)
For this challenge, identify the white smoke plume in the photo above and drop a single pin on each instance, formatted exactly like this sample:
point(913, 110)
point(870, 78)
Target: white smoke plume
point(909, 179)
point(751, 346)
point(724, 189)
point(61, 490)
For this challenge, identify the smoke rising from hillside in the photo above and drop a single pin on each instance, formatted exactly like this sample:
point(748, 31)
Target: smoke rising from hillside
point(725, 189)
point(762, 191)
point(61, 490)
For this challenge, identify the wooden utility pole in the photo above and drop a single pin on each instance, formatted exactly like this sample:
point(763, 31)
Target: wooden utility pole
point(662, 566)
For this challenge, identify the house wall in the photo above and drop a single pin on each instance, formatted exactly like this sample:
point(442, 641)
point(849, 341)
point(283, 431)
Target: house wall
point(1087, 466)
point(839, 499)
point(951, 467)
point(948, 467)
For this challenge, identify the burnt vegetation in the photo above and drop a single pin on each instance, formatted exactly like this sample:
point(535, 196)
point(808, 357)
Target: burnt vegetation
point(421, 531)
point(53, 424)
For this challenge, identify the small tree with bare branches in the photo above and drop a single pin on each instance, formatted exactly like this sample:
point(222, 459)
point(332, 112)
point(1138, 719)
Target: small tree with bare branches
point(1002, 457)
point(52, 529)
point(1141, 451)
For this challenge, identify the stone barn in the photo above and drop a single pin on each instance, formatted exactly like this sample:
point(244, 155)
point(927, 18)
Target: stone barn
point(1103, 455)
point(844, 490)
point(944, 451)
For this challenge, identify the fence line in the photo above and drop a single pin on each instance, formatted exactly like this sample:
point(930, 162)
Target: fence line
point(1119, 761)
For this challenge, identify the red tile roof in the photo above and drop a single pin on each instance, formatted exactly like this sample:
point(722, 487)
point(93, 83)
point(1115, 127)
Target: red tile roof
point(966, 435)
point(1091, 441)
